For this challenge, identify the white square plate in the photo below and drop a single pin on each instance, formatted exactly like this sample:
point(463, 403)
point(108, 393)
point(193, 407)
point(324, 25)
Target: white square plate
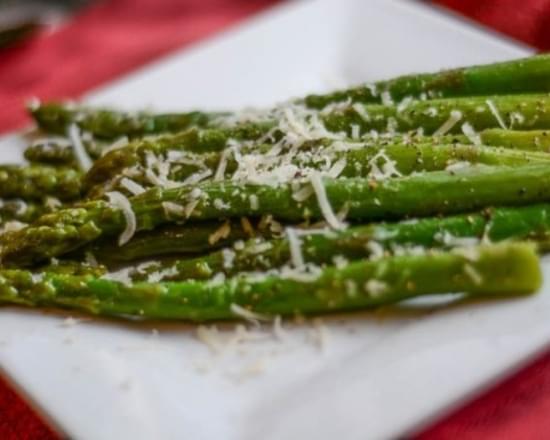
point(376, 376)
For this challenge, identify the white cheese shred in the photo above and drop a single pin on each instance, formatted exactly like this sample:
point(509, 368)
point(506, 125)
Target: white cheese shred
point(80, 153)
point(361, 111)
point(496, 113)
point(222, 232)
point(295, 245)
point(324, 204)
point(132, 186)
point(116, 145)
point(247, 314)
point(471, 134)
point(454, 117)
point(222, 165)
point(120, 201)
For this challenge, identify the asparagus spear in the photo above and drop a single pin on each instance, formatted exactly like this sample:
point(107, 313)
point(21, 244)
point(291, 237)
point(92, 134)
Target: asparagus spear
point(359, 161)
point(50, 153)
point(72, 268)
point(525, 112)
point(108, 124)
point(192, 140)
point(533, 140)
point(325, 246)
point(495, 270)
point(525, 75)
point(527, 140)
point(26, 211)
point(33, 182)
point(59, 151)
point(427, 194)
point(191, 238)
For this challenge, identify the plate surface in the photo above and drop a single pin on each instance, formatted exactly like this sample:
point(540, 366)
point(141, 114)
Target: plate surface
point(366, 376)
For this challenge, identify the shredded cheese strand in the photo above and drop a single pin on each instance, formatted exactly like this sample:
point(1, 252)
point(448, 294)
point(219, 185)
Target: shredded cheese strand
point(496, 114)
point(324, 204)
point(120, 201)
point(295, 245)
point(80, 153)
point(132, 186)
point(454, 117)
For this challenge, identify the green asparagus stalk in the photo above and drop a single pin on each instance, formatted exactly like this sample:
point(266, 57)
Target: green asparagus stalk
point(191, 238)
point(26, 211)
point(360, 161)
point(527, 140)
point(192, 140)
point(55, 151)
point(109, 124)
point(496, 270)
point(36, 181)
point(50, 153)
point(421, 195)
point(324, 246)
point(532, 140)
point(72, 268)
point(524, 112)
point(527, 75)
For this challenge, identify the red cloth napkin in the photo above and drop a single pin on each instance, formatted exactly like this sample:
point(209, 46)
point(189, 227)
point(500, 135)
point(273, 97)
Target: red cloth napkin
point(117, 36)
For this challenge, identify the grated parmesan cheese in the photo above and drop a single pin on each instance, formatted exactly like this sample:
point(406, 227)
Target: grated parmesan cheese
point(516, 118)
point(159, 275)
point(197, 177)
point(248, 315)
point(337, 168)
point(375, 288)
point(222, 232)
point(220, 204)
point(458, 166)
point(119, 201)
point(361, 111)
point(228, 258)
point(473, 274)
point(303, 193)
point(404, 103)
point(278, 330)
point(254, 202)
point(52, 203)
point(172, 209)
point(132, 186)
point(210, 337)
point(471, 134)
point(493, 109)
point(386, 98)
point(384, 171)
point(375, 249)
point(190, 207)
point(454, 117)
point(222, 165)
point(80, 153)
point(295, 246)
point(324, 204)
point(116, 145)
point(320, 334)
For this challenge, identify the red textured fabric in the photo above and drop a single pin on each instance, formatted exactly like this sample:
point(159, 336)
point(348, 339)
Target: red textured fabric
point(116, 36)
point(517, 408)
point(17, 421)
point(525, 20)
